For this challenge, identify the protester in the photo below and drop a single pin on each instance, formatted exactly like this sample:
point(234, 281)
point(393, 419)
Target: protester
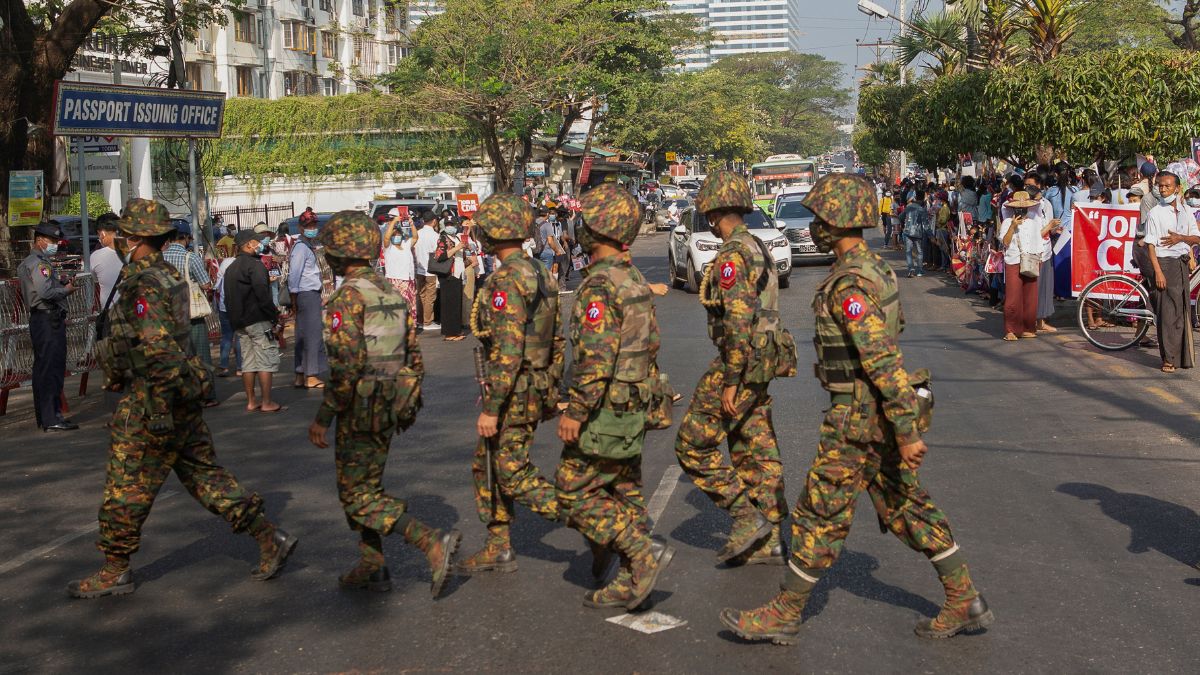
point(1043, 213)
point(192, 269)
point(304, 285)
point(427, 282)
point(1019, 235)
point(913, 220)
point(229, 341)
point(450, 247)
point(225, 245)
point(253, 316)
point(1171, 273)
point(106, 261)
point(399, 267)
point(473, 274)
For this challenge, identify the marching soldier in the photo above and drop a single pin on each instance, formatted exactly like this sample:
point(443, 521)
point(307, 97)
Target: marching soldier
point(516, 318)
point(46, 298)
point(373, 391)
point(871, 436)
point(158, 426)
point(616, 393)
point(741, 294)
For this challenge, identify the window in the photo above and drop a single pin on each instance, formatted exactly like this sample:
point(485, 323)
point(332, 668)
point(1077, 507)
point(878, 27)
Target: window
point(326, 5)
point(357, 7)
point(299, 37)
point(245, 80)
point(395, 52)
point(299, 83)
point(329, 86)
point(329, 46)
point(195, 76)
point(243, 28)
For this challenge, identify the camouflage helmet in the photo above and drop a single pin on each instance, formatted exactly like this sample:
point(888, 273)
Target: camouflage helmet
point(610, 211)
point(351, 234)
point(844, 201)
point(504, 217)
point(145, 218)
point(724, 190)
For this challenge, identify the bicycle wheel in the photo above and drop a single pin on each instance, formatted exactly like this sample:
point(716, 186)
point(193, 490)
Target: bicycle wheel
point(1119, 308)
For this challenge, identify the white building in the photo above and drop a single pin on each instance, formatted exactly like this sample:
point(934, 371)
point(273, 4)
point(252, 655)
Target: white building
point(741, 27)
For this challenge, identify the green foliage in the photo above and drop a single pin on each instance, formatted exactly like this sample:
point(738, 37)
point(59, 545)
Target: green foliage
point(869, 151)
point(1109, 104)
point(97, 205)
point(139, 25)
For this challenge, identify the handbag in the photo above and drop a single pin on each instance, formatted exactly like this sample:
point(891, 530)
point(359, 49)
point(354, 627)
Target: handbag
point(198, 306)
point(1031, 264)
point(439, 265)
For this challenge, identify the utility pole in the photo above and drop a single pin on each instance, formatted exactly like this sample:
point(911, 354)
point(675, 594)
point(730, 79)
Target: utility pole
point(903, 32)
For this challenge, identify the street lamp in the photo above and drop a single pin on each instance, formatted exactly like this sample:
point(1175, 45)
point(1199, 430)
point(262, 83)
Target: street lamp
point(871, 9)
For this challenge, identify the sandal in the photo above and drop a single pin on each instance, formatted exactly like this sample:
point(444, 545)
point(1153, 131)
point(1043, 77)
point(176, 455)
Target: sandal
point(313, 383)
point(272, 411)
point(1168, 368)
point(1009, 337)
point(1028, 335)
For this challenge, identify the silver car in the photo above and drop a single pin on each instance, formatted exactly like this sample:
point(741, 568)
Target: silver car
point(794, 219)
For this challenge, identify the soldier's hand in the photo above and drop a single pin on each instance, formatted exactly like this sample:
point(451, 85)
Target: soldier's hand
point(658, 289)
point(316, 435)
point(486, 425)
point(728, 400)
point(568, 430)
point(913, 454)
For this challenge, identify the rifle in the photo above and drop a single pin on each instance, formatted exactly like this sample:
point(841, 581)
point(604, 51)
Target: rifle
point(488, 443)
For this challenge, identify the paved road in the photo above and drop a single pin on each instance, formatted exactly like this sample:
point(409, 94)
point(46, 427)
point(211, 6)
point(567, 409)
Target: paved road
point(1070, 478)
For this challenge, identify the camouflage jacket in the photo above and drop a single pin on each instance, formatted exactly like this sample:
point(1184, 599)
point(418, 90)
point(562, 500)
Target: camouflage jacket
point(596, 327)
point(855, 302)
point(732, 302)
point(346, 346)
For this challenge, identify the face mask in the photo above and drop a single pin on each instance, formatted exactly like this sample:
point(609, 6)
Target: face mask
point(311, 234)
point(1165, 199)
point(451, 230)
point(51, 249)
point(822, 236)
point(1194, 202)
point(262, 248)
point(397, 239)
point(1154, 191)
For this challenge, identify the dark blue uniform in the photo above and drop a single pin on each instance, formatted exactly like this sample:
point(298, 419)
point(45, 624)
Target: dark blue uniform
point(46, 298)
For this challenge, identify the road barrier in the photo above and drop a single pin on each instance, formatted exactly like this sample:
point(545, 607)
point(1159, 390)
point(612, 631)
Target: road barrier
point(16, 348)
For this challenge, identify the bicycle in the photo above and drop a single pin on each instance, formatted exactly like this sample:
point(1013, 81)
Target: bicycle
point(1115, 311)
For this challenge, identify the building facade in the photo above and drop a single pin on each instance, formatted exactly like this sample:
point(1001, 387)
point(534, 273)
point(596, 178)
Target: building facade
point(741, 27)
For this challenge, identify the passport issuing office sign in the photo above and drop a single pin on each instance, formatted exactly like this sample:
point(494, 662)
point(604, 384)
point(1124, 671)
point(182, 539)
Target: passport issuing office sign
point(85, 109)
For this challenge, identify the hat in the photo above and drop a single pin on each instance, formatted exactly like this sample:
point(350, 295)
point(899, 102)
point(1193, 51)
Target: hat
point(1148, 169)
point(1137, 190)
point(45, 229)
point(1021, 200)
point(394, 213)
point(145, 218)
point(243, 237)
point(261, 228)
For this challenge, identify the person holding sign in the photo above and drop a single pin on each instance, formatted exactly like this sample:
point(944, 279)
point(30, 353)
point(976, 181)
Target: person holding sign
point(1171, 273)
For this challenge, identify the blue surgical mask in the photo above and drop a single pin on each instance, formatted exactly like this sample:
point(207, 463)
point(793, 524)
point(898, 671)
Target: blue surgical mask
point(311, 234)
point(51, 249)
point(1165, 200)
point(1193, 202)
point(451, 230)
point(397, 239)
point(262, 248)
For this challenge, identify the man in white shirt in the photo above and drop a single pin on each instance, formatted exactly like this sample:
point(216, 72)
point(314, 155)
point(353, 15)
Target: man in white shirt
point(427, 239)
point(106, 262)
point(1171, 273)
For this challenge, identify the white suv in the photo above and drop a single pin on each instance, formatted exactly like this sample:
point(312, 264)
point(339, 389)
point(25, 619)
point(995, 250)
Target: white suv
point(692, 247)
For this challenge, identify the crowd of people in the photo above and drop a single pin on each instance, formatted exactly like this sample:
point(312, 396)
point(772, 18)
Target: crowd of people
point(996, 236)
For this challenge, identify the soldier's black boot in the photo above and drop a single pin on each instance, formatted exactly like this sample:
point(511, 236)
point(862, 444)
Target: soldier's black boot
point(113, 578)
point(965, 608)
point(496, 555)
point(274, 547)
point(437, 545)
point(778, 620)
point(371, 572)
point(769, 551)
point(749, 526)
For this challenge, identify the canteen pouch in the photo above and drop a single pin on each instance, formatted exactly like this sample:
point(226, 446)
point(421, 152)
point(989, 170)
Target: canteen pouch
point(785, 354)
point(661, 395)
point(613, 435)
point(922, 384)
point(525, 401)
point(859, 422)
point(761, 369)
point(407, 402)
point(363, 414)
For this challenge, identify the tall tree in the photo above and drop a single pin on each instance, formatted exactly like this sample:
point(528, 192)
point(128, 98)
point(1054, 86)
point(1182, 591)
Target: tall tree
point(1049, 24)
point(939, 37)
point(1184, 31)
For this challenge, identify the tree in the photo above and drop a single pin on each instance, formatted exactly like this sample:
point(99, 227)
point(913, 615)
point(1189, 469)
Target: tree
point(1049, 24)
point(1120, 24)
point(1184, 31)
point(882, 72)
point(938, 36)
point(868, 149)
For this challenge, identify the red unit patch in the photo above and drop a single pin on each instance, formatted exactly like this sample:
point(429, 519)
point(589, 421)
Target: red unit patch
point(335, 322)
point(141, 307)
point(854, 307)
point(728, 275)
point(594, 313)
point(499, 301)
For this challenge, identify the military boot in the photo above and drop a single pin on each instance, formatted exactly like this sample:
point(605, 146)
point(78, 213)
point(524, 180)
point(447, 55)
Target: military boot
point(602, 558)
point(113, 578)
point(646, 562)
point(371, 572)
point(779, 619)
point(965, 608)
point(769, 551)
point(749, 526)
point(496, 555)
point(617, 593)
point(274, 547)
point(437, 545)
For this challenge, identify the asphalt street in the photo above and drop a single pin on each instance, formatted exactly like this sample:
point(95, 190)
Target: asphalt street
point(1070, 478)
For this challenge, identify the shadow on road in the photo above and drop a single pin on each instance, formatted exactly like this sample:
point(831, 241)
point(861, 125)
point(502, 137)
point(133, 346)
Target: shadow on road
point(1154, 524)
point(853, 572)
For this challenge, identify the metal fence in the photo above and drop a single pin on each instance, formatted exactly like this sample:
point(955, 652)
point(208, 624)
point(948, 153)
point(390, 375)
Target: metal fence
point(242, 217)
point(16, 347)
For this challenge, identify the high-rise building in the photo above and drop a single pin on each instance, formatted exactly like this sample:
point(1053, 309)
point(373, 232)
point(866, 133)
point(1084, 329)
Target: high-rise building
point(741, 27)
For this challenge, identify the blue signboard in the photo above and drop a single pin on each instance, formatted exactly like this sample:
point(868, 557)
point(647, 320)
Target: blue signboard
point(83, 109)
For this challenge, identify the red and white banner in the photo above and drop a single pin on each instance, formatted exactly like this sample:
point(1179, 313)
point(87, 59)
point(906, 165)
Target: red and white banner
point(468, 204)
point(1102, 242)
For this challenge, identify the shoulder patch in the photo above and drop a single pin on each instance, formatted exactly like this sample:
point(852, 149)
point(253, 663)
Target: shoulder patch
point(499, 301)
point(141, 307)
point(594, 313)
point(854, 307)
point(45, 270)
point(728, 274)
point(335, 321)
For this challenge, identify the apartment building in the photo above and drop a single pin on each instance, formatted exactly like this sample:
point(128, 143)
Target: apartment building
point(741, 27)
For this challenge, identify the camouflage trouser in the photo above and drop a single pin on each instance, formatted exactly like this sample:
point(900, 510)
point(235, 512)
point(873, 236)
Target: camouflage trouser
point(360, 458)
point(754, 466)
point(602, 497)
point(840, 471)
point(139, 462)
point(517, 479)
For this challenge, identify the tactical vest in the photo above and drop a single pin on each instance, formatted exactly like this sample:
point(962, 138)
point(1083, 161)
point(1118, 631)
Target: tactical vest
point(838, 365)
point(541, 314)
point(385, 330)
point(631, 373)
point(120, 352)
point(762, 275)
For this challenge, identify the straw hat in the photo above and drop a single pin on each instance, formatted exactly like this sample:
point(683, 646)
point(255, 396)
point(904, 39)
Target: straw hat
point(1021, 200)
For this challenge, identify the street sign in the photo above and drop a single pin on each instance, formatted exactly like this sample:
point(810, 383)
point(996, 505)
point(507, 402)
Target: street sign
point(468, 204)
point(670, 157)
point(95, 144)
point(535, 169)
point(26, 192)
point(102, 167)
point(84, 109)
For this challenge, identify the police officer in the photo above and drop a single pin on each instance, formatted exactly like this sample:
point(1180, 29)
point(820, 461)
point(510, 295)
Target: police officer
point(374, 391)
point(516, 318)
point(616, 393)
point(871, 436)
point(741, 294)
point(158, 427)
point(46, 297)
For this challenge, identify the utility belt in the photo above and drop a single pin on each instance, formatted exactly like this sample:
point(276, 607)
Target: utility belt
point(386, 402)
point(865, 397)
point(56, 312)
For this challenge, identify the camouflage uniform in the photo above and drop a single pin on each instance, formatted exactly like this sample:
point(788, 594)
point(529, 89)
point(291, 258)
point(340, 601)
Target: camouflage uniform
point(373, 390)
point(158, 425)
point(614, 386)
point(741, 295)
point(874, 410)
point(516, 318)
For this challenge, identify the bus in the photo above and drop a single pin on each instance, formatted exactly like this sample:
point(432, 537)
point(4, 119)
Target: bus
point(770, 176)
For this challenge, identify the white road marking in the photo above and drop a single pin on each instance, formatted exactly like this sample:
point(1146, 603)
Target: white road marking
point(46, 549)
point(662, 494)
point(647, 622)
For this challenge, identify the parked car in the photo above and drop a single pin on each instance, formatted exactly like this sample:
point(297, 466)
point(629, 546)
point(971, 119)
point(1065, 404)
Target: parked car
point(662, 216)
point(692, 248)
point(789, 192)
point(72, 239)
point(291, 226)
point(378, 209)
point(795, 219)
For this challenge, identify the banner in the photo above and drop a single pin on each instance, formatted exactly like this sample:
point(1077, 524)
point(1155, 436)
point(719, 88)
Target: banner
point(1102, 242)
point(585, 170)
point(84, 109)
point(26, 192)
point(468, 204)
